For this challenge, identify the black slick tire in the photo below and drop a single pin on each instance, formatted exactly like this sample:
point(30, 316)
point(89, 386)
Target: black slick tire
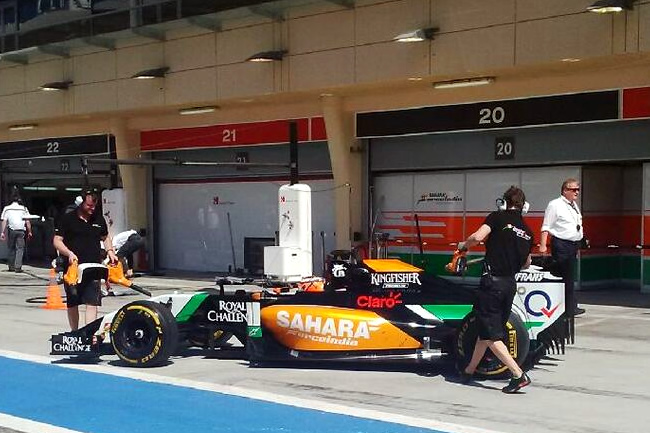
point(144, 334)
point(517, 342)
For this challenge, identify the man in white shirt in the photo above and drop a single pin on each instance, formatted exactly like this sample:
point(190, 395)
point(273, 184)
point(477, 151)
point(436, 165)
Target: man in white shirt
point(15, 222)
point(563, 221)
point(126, 243)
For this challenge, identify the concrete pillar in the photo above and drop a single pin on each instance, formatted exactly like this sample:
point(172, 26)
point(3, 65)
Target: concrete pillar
point(134, 177)
point(346, 158)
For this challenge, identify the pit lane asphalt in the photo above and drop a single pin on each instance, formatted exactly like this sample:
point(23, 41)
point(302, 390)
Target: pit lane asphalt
point(600, 385)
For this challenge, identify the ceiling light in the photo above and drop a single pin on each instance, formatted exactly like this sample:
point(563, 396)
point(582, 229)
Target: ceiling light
point(418, 35)
point(23, 127)
point(570, 60)
point(414, 78)
point(465, 82)
point(151, 73)
point(56, 85)
point(610, 6)
point(39, 188)
point(197, 110)
point(267, 56)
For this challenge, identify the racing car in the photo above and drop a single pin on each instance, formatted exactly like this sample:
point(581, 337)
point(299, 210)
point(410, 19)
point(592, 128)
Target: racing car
point(368, 310)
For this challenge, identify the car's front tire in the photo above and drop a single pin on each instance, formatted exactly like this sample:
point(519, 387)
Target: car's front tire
point(144, 334)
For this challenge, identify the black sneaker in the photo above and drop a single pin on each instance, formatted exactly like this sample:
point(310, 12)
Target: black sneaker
point(465, 378)
point(18, 271)
point(516, 384)
point(578, 311)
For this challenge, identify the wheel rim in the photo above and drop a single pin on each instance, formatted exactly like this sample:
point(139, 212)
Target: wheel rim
point(137, 337)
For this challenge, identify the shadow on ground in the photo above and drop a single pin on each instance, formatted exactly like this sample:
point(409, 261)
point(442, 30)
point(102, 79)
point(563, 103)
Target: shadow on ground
point(622, 297)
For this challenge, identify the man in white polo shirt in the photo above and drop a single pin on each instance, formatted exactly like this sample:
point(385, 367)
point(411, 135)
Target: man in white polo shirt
point(563, 221)
point(15, 222)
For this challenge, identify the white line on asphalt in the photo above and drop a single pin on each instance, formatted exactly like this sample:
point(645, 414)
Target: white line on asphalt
point(29, 426)
point(258, 395)
point(612, 316)
point(592, 307)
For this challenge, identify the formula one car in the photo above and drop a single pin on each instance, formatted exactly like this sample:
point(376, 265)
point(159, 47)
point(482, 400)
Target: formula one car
point(369, 311)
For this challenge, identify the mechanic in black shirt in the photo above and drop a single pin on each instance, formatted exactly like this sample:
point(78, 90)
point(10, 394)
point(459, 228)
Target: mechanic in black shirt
point(508, 242)
point(78, 238)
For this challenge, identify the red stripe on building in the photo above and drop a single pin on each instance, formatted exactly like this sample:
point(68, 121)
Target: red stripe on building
point(318, 132)
point(235, 134)
point(636, 103)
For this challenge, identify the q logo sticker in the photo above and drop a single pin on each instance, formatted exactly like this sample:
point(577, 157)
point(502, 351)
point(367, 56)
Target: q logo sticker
point(546, 309)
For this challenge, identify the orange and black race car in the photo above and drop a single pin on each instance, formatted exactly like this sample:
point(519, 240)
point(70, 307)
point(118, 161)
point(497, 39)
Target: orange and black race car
point(370, 311)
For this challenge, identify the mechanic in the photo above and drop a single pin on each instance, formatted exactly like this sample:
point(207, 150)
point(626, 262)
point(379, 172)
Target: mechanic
point(563, 221)
point(126, 243)
point(508, 242)
point(60, 263)
point(78, 237)
point(18, 228)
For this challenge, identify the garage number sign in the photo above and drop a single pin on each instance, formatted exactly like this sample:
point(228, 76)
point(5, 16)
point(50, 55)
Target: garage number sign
point(55, 147)
point(504, 148)
point(509, 113)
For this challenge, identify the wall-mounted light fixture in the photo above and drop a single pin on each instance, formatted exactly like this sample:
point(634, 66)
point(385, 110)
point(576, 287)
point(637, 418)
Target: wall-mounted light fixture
point(149, 74)
point(418, 35)
point(197, 110)
point(39, 188)
point(464, 82)
point(610, 6)
point(56, 85)
point(267, 56)
point(23, 127)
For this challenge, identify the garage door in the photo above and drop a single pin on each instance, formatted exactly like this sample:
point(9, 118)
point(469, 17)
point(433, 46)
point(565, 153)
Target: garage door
point(199, 224)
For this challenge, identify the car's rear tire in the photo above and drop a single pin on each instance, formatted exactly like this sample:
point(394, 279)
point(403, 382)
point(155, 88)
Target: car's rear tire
point(517, 342)
point(144, 334)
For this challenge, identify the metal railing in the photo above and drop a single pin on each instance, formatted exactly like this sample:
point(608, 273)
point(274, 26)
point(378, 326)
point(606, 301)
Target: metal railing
point(50, 25)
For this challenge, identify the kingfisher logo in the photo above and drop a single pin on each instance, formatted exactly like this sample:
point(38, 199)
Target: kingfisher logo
point(395, 280)
point(539, 304)
point(390, 301)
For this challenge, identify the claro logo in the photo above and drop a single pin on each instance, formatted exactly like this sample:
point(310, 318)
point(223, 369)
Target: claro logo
point(329, 330)
point(390, 301)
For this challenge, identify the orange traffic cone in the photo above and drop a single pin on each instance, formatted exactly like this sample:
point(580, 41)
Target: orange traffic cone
point(53, 300)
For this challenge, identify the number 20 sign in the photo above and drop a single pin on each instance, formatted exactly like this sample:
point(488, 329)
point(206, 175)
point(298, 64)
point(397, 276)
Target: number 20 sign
point(504, 148)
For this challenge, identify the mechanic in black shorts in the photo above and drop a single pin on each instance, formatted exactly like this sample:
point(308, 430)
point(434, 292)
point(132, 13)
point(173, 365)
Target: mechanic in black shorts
point(508, 242)
point(77, 237)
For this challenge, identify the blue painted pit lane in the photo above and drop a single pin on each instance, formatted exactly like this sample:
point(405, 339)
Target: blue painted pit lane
point(102, 403)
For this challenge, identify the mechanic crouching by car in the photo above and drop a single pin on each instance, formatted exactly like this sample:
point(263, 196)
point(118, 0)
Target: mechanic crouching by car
point(508, 243)
point(77, 237)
